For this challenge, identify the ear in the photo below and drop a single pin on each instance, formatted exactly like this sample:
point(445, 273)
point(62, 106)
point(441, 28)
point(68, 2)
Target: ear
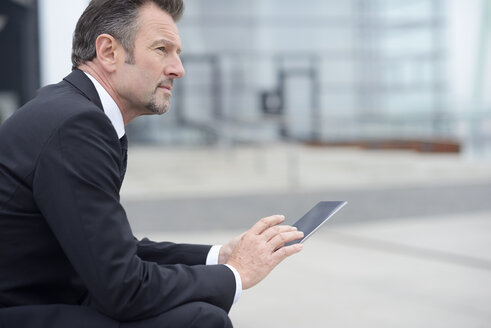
point(109, 52)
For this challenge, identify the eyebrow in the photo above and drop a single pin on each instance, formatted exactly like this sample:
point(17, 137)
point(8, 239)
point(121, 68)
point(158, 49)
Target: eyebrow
point(166, 42)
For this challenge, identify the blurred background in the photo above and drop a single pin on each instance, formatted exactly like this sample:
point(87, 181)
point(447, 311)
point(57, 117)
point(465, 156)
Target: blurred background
point(383, 103)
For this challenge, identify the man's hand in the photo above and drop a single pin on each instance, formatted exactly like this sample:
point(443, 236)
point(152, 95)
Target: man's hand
point(260, 249)
point(226, 250)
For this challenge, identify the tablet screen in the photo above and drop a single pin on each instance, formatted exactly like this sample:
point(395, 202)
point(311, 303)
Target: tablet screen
point(314, 218)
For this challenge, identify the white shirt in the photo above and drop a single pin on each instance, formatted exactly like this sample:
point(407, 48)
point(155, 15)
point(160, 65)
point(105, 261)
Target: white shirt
point(109, 106)
point(112, 111)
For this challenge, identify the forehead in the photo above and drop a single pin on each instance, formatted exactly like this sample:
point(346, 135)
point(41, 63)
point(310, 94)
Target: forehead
point(155, 24)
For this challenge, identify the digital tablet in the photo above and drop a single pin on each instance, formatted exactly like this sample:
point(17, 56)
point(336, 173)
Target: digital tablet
point(316, 217)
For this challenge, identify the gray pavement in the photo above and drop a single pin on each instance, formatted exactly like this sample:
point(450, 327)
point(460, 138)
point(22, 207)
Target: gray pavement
point(419, 272)
point(410, 250)
point(365, 205)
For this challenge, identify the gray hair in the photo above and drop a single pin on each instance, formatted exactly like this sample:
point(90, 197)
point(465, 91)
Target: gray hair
point(118, 18)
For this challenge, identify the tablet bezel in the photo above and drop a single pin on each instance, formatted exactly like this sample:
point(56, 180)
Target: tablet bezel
point(336, 206)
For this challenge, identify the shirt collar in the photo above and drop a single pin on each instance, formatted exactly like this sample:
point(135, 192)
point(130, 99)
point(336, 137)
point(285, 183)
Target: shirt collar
point(110, 107)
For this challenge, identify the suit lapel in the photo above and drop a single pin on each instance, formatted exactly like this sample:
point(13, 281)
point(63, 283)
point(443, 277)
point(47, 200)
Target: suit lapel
point(80, 81)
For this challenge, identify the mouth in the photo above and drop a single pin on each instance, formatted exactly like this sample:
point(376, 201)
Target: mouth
point(167, 87)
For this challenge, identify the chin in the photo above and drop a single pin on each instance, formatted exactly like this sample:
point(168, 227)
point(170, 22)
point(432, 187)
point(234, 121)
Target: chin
point(152, 109)
point(163, 110)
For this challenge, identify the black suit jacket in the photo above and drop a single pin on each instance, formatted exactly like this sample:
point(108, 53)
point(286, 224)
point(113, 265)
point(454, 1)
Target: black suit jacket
point(64, 236)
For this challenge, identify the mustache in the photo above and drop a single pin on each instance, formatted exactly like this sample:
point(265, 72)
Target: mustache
point(166, 83)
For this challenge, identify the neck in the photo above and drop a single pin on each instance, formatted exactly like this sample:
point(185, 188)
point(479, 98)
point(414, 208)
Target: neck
point(103, 78)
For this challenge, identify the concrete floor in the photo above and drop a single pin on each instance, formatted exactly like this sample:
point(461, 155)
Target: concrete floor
point(425, 272)
point(383, 261)
point(156, 173)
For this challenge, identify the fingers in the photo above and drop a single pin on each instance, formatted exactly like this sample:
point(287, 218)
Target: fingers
point(275, 230)
point(274, 234)
point(265, 223)
point(284, 252)
point(260, 249)
point(285, 237)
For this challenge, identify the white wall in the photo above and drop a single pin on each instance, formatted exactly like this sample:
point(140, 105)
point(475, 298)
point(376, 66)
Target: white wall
point(57, 20)
point(464, 27)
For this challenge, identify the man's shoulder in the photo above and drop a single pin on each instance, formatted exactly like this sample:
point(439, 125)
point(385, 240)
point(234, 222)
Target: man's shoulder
point(62, 99)
point(57, 103)
point(54, 107)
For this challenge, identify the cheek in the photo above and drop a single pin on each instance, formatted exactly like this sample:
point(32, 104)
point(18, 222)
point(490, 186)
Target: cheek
point(153, 67)
point(134, 84)
point(141, 80)
point(148, 77)
point(143, 76)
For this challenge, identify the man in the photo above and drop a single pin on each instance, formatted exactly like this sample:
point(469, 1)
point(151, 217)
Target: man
point(67, 254)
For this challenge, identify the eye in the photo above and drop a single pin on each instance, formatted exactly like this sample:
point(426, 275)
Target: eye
point(162, 49)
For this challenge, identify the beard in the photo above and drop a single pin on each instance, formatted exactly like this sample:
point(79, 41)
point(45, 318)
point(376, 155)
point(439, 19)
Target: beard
point(158, 109)
point(153, 107)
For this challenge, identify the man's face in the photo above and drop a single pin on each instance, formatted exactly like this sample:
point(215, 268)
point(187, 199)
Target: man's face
point(145, 84)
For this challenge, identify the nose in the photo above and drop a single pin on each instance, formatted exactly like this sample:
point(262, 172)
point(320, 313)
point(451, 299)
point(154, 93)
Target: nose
point(174, 69)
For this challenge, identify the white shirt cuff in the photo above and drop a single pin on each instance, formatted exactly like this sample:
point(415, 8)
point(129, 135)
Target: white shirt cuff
point(213, 254)
point(212, 259)
point(238, 283)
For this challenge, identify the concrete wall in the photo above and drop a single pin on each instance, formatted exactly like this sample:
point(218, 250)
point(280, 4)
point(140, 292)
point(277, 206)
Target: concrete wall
point(57, 19)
